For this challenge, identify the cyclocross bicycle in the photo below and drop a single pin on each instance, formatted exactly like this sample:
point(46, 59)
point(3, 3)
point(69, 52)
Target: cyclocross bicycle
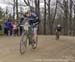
point(27, 35)
point(57, 35)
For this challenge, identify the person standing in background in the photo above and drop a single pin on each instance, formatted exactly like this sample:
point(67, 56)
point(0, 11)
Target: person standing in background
point(14, 29)
point(8, 27)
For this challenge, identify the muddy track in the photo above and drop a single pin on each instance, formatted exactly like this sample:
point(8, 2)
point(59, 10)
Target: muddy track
point(49, 50)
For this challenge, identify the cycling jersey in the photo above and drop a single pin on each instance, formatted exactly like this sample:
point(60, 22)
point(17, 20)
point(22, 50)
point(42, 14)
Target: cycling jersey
point(33, 19)
point(59, 28)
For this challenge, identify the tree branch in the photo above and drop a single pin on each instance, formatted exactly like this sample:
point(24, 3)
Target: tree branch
point(61, 5)
point(26, 2)
point(55, 12)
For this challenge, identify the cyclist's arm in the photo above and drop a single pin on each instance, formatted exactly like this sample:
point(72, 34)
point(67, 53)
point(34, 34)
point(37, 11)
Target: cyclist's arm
point(20, 21)
point(36, 19)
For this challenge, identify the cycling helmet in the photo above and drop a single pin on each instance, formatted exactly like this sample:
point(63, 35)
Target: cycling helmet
point(27, 8)
point(58, 25)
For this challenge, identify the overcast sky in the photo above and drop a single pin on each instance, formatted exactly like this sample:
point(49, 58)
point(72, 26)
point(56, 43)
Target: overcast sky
point(6, 1)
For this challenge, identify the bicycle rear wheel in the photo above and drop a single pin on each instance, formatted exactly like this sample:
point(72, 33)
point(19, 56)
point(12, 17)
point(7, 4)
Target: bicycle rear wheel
point(23, 43)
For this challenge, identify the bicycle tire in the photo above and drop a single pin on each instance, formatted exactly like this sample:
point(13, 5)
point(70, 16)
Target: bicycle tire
point(57, 35)
point(23, 43)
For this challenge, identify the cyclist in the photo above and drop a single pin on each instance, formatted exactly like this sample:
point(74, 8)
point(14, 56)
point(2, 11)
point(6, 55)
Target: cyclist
point(8, 27)
point(33, 21)
point(58, 30)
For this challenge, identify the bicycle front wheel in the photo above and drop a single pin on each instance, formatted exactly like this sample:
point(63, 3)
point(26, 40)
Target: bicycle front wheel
point(57, 35)
point(23, 43)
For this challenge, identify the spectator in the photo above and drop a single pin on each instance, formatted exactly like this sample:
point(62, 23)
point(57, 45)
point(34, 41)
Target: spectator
point(14, 25)
point(8, 27)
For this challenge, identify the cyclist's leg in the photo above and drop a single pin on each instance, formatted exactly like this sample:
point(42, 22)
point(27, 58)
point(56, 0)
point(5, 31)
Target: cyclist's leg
point(35, 34)
point(34, 37)
point(57, 34)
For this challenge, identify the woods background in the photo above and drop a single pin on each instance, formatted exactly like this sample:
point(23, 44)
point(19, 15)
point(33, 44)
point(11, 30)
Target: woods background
point(60, 12)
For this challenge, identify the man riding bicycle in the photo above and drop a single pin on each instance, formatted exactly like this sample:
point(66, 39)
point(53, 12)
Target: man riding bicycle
point(58, 30)
point(33, 21)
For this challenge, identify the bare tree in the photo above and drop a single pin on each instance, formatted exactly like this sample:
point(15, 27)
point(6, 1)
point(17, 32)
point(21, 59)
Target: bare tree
point(17, 9)
point(61, 5)
point(37, 6)
point(74, 22)
point(37, 10)
point(70, 18)
point(14, 9)
point(45, 17)
point(27, 3)
point(49, 15)
point(65, 21)
point(54, 17)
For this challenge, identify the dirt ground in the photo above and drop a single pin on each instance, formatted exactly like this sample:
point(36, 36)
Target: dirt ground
point(49, 50)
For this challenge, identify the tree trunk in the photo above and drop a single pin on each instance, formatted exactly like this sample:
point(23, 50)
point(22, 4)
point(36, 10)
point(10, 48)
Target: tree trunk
point(37, 10)
point(17, 8)
point(49, 16)
point(70, 18)
point(14, 10)
point(54, 17)
point(74, 22)
point(45, 17)
point(65, 17)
